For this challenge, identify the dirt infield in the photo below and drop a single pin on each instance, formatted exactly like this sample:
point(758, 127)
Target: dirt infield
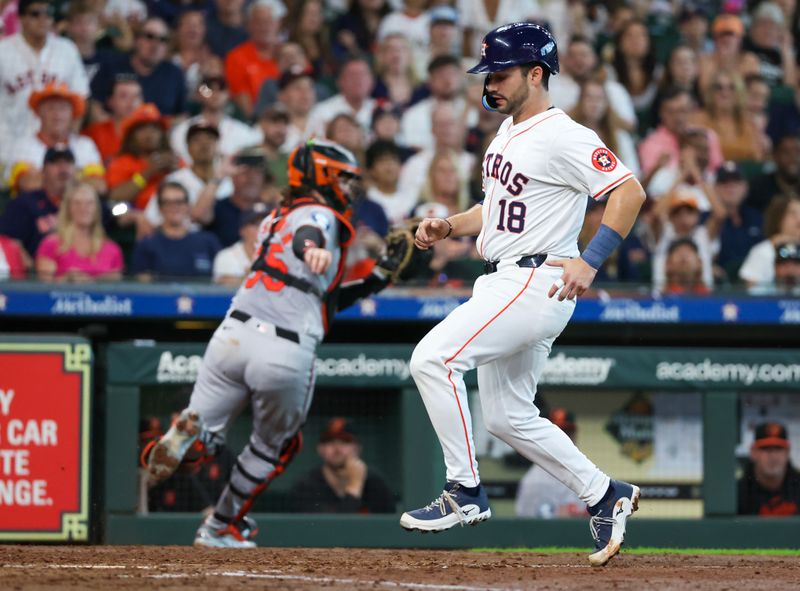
point(177, 567)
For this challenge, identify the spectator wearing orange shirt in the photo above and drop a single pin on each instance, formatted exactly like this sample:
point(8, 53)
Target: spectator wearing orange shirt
point(145, 158)
point(125, 98)
point(251, 63)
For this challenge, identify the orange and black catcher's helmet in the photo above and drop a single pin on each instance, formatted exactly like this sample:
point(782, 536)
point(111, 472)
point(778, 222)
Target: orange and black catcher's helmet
point(328, 168)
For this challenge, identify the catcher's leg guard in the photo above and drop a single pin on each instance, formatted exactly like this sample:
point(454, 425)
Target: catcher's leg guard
point(238, 500)
point(165, 455)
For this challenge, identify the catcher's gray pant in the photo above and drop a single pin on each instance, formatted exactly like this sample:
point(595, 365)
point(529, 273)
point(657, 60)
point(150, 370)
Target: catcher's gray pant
point(247, 363)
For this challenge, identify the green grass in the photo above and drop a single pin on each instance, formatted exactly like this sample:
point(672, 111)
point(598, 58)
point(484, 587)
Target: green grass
point(650, 550)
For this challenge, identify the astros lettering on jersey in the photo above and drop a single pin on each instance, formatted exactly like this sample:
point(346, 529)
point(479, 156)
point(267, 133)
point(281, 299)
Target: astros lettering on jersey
point(536, 176)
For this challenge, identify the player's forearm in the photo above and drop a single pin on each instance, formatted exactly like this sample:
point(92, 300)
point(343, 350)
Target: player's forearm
point(623, 206)
point(467, 223)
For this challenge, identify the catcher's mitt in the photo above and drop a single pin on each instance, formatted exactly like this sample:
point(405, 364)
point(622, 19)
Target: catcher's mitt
point(402, 259)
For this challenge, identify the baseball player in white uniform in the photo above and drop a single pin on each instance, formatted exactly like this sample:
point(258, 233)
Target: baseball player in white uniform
point(537, 174)
point(31, 59)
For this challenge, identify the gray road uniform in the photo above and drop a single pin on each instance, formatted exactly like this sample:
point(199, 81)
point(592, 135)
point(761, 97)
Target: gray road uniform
point(263, 352)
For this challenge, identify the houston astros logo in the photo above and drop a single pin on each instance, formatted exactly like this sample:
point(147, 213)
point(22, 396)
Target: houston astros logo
point(603, 160)
point(484, 45)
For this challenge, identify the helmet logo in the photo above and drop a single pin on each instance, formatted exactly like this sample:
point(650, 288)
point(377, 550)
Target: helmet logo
point(604, 160)
point(484, 45)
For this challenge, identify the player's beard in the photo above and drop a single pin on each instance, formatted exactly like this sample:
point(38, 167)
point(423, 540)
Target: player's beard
point(515, 102)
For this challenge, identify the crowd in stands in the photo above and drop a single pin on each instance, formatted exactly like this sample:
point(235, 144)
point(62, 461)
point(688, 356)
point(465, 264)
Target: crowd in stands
point(147, 138)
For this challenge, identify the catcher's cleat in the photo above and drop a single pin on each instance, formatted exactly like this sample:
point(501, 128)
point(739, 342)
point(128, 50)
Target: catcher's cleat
point(168, 453)
point(209, 535)
point(608, 517)
point(456, 505)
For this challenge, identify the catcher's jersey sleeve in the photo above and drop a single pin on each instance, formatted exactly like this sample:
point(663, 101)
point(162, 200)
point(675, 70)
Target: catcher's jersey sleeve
point(581, 160)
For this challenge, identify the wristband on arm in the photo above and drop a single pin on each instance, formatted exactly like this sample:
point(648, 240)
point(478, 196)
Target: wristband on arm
point(601, 246)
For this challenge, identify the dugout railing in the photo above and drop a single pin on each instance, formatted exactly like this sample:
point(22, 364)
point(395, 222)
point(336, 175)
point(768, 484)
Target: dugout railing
point(372, 383)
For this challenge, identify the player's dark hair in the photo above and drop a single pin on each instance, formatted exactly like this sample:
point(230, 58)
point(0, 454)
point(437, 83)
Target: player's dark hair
point(525, 69)
point(380, 149)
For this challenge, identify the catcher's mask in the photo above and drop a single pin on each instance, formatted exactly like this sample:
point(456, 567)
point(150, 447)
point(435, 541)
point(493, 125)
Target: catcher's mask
point(330, 169)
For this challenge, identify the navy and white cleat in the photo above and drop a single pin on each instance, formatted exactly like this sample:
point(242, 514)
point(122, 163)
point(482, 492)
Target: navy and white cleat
point(455, 506)
point(608, 517)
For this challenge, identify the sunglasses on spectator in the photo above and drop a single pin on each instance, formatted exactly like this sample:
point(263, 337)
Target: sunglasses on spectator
point(39, 12)
point(155, 37)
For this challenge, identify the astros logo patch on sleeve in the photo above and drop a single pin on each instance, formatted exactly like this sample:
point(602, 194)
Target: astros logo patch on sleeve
point(603, 160)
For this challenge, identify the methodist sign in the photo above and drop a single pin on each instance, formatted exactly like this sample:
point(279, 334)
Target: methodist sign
point(45, 397)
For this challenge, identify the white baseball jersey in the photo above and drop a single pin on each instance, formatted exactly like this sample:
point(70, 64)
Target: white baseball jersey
point(22, 70)
point(28, 153)
point(536, 176)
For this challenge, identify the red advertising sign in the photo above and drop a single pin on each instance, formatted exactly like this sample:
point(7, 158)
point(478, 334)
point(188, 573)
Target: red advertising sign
point(45, 390)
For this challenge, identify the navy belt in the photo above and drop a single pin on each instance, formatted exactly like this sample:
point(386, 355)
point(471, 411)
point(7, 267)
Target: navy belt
point(529, 261)
point(283, 333)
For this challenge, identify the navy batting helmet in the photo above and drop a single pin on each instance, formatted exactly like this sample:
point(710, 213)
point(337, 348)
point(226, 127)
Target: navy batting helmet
point(514, 45)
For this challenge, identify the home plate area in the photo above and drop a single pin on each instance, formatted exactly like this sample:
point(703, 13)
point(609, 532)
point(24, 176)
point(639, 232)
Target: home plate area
point(180, 567)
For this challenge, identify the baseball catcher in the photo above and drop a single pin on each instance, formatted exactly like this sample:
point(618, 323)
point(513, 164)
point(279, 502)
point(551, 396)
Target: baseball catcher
point(263, 352)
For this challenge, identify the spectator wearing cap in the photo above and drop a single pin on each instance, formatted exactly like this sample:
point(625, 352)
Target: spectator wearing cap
point(448, 134)
point(396, 81)
point(212, 94)
point(343, 483)
point(79, 249)
point(787, 267)
point(274, 124)
point(30, 59)
point(248, 65)
point(232, 264)
point(677, 217)
point(741, 229)
point(163, 83)
point(221, 216)
point(57, 108)
point(125, 98)
point(297, 94)
point(781, 226)
point(446, 85)
point(784, 180)
point(476, 19)
point(354, 32)
point(83, 27)
point(445, 34)
point(205, 179)
point(542, 496)
point(190, 51)
point(727, 31)
point(225, 26)
point(693, 28)
point(724, 113)
point(580, 64)
point(31, 216)
point(772, 42)
point(144, 159)
point(292, 61)
point(355, 83)
point(770, 485)
point(174, 250)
